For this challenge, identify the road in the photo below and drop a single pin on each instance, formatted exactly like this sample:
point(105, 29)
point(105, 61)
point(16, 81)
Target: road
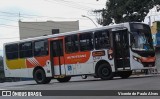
point(140, 82)
point(133, 83)
point(158, 59)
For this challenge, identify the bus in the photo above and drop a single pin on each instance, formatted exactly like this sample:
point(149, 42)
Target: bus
point(103, 52)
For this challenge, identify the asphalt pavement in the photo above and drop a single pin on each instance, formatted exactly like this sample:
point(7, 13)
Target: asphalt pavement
point(140, 82)
point(158, 59)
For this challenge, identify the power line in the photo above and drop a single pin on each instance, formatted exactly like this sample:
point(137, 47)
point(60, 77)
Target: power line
point(24, 27)
point(11, 14)
point(83, 2)
point(35, 16)
point(10, 38)
point(8, 19)
point(6, 25)
point(34, 24)
point(80, 7)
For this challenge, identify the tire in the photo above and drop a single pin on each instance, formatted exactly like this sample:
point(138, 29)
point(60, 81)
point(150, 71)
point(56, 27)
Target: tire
point(105, 72)
point(84, 76)
point(125, 74)
point(48, 80)
point(40, 77)
point(65, 79)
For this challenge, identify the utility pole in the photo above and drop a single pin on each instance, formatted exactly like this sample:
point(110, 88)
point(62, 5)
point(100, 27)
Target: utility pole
point(19, 16)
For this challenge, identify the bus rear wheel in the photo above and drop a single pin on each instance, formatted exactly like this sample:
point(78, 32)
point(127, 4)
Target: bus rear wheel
point(105, 72)
point(125, 74)
point(65, 79)
point(40, 77)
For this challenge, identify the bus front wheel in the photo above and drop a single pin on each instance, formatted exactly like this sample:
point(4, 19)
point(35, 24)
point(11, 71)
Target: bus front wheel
point(105, 72)
point(40, 77)
point(65, 79)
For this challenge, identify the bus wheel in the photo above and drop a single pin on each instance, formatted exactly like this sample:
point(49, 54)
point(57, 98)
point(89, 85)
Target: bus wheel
point(48, 80)
point(84, 76)
point(65, 79)
point(125, 74)
point(105, 72)
point(40, 77)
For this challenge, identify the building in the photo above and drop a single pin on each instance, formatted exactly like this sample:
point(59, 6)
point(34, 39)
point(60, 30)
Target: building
point(155, 30)
point(34, 29)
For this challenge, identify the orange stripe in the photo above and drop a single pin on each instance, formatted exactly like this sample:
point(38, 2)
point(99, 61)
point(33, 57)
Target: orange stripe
point(148, 59)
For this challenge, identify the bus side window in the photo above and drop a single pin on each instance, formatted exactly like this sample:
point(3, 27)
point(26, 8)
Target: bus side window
point(11, 51)
point(25, 50)
point(102, 40)
point(71, 44)
point(86, 41)
point(40, 48)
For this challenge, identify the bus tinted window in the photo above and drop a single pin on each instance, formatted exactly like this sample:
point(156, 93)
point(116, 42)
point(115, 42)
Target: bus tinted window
point(25, 50)
point(101, 39)
point(86, 41)
point(71, 43)
point(12, 51)
point(40, 48)
point(57, 48)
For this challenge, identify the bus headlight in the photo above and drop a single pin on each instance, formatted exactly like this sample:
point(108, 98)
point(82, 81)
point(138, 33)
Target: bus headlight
point(136, 59)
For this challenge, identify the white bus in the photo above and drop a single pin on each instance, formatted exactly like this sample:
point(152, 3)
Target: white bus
point(102, 52)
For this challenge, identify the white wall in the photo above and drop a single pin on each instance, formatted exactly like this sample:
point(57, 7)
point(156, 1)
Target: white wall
point(34, 29)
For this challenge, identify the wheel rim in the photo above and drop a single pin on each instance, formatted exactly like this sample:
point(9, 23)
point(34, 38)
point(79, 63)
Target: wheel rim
point(105, 72)
point(39, 77)
point(84, 76)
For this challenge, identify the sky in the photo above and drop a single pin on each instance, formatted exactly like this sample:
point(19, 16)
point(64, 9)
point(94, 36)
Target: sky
point(11, 11)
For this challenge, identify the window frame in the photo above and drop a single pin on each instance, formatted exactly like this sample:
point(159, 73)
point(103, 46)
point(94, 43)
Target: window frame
point(75, 43)
point(11, 52)
point(92, 41)
point(55, 50)
point(109, 39)
point(26, 50)
point(46, 46)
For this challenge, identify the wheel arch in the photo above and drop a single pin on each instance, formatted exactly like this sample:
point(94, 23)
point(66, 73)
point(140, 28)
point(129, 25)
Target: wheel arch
point(36, 68)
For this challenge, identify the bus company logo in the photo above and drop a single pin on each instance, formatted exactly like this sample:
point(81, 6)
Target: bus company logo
point(19, 93)
point(6, 93)
point(76, 56)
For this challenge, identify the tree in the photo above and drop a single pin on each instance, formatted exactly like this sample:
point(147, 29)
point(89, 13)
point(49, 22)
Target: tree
point(126, 10)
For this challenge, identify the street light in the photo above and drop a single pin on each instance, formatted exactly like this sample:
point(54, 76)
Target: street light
point(90, 19)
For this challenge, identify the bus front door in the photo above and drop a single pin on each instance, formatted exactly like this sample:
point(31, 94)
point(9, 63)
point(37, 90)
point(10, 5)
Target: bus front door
point(57, 57)
point(121, 49)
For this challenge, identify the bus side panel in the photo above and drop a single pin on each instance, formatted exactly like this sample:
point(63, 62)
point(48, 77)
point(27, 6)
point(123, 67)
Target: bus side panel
point(78, 63)
point(42, 61)
point(106, 58)
point(25, 67)
point(15, 68)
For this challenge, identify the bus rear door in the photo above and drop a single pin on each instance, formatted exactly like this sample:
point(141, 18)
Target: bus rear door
point(121, 49)
point(57, 57)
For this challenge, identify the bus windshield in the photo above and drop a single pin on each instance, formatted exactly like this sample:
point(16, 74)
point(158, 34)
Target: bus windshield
point(141, 39)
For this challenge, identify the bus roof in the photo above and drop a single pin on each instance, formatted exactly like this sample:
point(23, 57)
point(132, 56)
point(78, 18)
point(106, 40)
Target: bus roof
point(69, 33)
